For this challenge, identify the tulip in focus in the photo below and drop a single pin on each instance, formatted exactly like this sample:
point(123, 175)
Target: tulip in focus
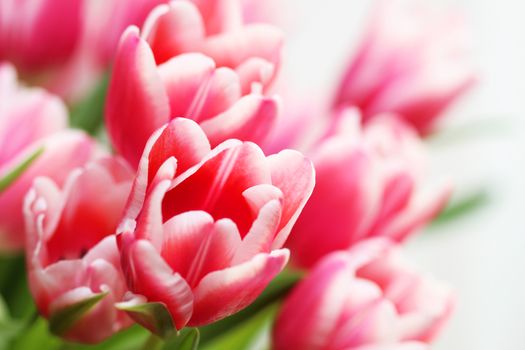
point(367, 298)
point(412, 62)
point(143, 96)
point(72, 255)
point(32, 121)
point(203, 230)
point(66, 45)
point(370, 182)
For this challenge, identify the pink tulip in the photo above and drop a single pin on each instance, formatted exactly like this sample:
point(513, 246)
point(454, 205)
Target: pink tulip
point(204, 228)
point(215, 28)
point(72, 254)
point(412, 61)
point(143, 97)
point(66, 46)
point(369, 298)
point(32, 119)
point(370, 182)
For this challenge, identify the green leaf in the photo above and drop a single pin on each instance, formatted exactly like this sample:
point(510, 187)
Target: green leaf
point(62, 320)
point(463, 206)
point(7, 179)
point(186, 339)
point(154, 316)
point(251, 334)
point(88, 114)
point(37, 336)
point(129, 339)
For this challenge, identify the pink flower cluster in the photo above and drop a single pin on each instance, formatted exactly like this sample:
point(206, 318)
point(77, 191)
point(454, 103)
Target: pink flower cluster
point(190, 218)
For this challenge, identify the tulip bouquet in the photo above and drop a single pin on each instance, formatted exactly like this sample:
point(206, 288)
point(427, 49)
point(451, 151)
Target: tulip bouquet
point(199, 209)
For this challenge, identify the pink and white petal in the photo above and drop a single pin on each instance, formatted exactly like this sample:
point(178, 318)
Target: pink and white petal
point(150, 219)
point(311, 312)
point(137, 104)
point(216, 185)
point(62, 153)
point(222, 293)
point(223, 91)
point(262, 233)
point(220, 15)
point(231, 49)
point(182, 235)
point(173, 29)
point(49, 282)
point(185, 78)
point(259, 195)
point(294, 175)
point(182, 139)
point(194, 245)
point(106, 250)
point(33, 116)
point(421, 210)
point(255, 70)
point(249, 119)
point(149, 275)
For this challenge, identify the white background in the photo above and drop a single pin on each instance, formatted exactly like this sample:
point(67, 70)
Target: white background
point(482, 255)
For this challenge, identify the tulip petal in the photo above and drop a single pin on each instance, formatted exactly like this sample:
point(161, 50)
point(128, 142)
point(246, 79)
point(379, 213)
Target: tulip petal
point(137, 103)
point(294, 175)
point(249, 119)
point(213, 295)
point(173, 29)
point(149, 275)
point(230, 49)
point(216, 186)
point(310, 314)
point(195, 245)
point(262, 233)
point(421, 209)
point(182, 139)
point(255, 70)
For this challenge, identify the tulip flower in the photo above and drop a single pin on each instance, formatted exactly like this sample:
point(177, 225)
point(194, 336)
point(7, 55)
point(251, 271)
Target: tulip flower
point(203, 230)
point(32, 124)
point(66, 46)
point(215, 28)
point(370, 181)
point(412, 61)
point(369, 297)
point(143, 96)
point(72, 257)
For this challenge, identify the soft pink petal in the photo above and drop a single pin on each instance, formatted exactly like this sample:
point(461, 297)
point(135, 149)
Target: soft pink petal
point(220, 15)
point(249, 119)
point(173, 29)
point(63, 152)
point(182, 139)
point(213, 295)
point(148, 274)
point(216, 185)
point(421, 209)
point(233, 48)
point(194, 245)
point(255, 70)
point(137, 104)
point(310, 313)
point(294, 175)
point(262, 233)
